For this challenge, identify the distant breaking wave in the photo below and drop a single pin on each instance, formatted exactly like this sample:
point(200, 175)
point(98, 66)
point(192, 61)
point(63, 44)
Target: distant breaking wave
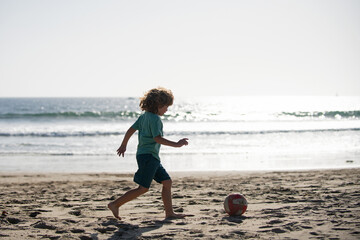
point(327, 114)
point(187, 116)
point(88, 114)
point(182, 133)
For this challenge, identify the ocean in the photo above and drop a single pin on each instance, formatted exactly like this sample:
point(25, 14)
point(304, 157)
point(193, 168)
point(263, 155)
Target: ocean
point(81, 135)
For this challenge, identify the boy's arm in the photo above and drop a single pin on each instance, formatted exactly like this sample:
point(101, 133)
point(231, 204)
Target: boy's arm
point(122, 149)
point(159, 139)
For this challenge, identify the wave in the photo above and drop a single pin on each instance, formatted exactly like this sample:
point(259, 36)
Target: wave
point(9, 153)
point(180, 133)
point(70, 114)
point(326, 114)
point(180, 116)
point(60, 134)
point(100, 115)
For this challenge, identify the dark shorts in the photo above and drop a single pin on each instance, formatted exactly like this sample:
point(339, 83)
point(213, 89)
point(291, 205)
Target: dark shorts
point(149, 168)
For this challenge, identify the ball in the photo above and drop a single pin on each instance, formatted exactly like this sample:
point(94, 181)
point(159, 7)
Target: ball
point(235, 204)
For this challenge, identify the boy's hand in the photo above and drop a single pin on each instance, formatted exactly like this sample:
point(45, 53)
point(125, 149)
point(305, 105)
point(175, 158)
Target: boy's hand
point(121, 150)
point(182, 142)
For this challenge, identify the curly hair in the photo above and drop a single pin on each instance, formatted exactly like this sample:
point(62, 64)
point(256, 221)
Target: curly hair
point(155, 99)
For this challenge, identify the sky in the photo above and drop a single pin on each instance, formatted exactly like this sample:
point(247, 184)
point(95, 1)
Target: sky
point(117, 48)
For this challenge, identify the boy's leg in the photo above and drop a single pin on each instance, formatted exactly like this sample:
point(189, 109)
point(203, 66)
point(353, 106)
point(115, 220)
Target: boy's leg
point(143, 177)
point(167, 199)
point(128, 196)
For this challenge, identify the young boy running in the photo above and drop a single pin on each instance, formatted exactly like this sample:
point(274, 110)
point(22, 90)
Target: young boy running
point(155, 103)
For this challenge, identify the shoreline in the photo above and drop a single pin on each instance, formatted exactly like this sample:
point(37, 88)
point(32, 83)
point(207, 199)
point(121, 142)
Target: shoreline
point(282, 204)
point(349, 165)
point(178, 163)
point(194, 173)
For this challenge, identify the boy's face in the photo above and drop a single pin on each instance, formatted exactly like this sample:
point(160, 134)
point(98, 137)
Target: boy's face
point(162, 110)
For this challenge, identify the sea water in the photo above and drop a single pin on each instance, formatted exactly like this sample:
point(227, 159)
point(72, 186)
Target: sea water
point(225, 134)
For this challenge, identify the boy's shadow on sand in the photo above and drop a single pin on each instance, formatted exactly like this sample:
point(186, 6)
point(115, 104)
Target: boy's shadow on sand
point(129, 230)
point(122, 229)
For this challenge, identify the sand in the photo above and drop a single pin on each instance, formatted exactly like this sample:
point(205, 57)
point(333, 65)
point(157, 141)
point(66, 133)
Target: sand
point(282, 205)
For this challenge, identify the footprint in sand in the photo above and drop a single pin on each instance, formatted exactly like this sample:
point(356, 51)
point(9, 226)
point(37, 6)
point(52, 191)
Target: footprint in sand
point(43, 225)
point(278, 230)
point(266, 226)
point(84, 237)
point(205, 210)
point(101, 208)
point(77, 230)
point(75, 213)
point(61, 231)
point(34, 214)
point(13, 220)
point(306, 227)
point(106, 229)
point(181, 223)
point(274, 222)
point(192, 202)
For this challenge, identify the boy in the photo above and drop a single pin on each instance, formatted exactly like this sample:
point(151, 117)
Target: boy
point(155, 103)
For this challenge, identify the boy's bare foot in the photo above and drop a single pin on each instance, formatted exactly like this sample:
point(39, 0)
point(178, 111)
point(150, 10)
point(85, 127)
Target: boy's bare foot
point(175, 216)
point(114, 210)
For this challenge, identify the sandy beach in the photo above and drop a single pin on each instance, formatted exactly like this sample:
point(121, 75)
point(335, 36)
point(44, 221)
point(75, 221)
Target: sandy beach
point(322, 204)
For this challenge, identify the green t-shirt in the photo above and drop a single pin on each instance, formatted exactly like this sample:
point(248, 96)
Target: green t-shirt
point(149, 126)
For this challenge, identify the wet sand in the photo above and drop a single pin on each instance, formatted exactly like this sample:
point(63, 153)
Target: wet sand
point(295, 205)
